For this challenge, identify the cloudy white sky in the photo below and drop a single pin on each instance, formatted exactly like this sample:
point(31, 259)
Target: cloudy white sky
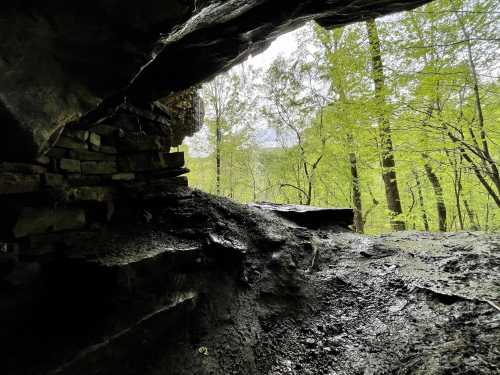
point(285, 45)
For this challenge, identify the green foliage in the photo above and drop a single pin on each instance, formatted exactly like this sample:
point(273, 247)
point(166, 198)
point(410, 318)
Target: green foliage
point(318, 109)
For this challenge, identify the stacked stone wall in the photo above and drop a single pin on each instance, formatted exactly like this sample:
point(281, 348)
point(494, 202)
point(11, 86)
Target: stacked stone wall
point(89, 178)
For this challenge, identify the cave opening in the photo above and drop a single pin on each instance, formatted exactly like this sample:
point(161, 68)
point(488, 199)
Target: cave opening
point(354, 117)
point(159, 218)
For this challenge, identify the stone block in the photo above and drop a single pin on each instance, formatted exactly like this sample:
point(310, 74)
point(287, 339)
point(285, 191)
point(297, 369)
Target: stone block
point(81, 135)
point(53, 179)
point(104, 149)
point(156, 188)
point(21, 168)
point(144, 162)
point(57, 153)
point(43, 160)
point(44, 220)
point(11, 183)
point(70, 165)
point(79, 180)
point(86, 155)
point(123, 177)
point(104, 130)
point(72, 144)
point(98, 167)
point(170, 172)
point(91, 193)
point(133, 143)
point(95, 139)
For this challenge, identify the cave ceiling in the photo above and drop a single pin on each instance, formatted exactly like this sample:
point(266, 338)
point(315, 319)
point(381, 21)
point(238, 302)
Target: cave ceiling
point(63, 60)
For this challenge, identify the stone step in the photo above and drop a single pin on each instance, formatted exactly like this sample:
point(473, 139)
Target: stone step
point(309, 216)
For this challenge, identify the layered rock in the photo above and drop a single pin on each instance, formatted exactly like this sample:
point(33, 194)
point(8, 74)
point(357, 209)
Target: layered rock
point(63, 60)
point(79, 185)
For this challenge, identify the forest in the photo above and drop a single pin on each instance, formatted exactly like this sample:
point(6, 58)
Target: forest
point(396, 117)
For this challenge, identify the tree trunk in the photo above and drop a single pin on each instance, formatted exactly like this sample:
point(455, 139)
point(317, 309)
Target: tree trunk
point(470, 214)
point(458, 191)
point(356, 194)
point(425, 220)
point(218, 142)
point(438, 192)
point(493, 169)
point(356, 189)
point(387, 150)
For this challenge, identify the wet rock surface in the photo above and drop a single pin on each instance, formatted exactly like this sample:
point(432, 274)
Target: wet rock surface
point(202, 285)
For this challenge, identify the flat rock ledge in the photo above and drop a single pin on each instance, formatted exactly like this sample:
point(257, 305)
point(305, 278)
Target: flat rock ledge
point(310, 216)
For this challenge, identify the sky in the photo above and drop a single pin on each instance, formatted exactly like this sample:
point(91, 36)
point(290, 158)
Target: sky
point(285, 45)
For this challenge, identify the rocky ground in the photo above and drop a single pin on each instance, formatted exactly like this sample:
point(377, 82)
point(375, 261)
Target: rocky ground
point(202, 285)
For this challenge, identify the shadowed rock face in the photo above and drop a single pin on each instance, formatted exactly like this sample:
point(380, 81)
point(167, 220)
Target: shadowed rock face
point(60, 60)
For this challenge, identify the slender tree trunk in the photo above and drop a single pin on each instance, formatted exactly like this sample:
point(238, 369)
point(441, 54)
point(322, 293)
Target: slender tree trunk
point(356, 189)
point(218, 142)
point(425, 220)
point(493, 169)
point(470, 214)
point(387, 150)
point(438, 192)
point(458, 192)
point(356, 194)
point(231, 185)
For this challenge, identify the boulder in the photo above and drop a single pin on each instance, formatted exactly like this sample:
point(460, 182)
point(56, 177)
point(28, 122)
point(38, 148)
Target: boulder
point(187, 112)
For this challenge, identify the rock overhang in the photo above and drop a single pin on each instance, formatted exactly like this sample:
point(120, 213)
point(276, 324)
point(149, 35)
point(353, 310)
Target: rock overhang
point(61, 61)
